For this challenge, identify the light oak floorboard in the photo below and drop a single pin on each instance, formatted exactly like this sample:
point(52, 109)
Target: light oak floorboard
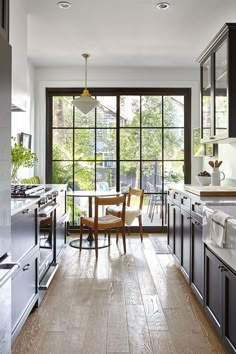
point(133, 303)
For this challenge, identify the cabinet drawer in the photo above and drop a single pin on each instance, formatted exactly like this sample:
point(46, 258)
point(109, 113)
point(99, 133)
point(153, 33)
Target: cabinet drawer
point(186, 202)
point(23, 232)
point(24, 288)
point(197, 210)
point(174, 196)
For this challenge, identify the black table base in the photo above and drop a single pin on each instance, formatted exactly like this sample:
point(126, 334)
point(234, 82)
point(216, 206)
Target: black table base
point(90, 244)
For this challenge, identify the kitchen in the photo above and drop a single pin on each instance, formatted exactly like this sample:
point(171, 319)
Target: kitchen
point(29, 81)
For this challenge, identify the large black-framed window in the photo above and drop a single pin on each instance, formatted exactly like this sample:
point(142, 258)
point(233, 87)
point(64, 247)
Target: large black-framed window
point(139, 137)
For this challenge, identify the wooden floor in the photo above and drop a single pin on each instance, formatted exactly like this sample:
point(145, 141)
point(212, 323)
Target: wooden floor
point(134, 303)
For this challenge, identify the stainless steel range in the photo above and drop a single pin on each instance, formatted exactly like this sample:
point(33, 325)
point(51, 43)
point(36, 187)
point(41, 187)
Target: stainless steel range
point(52, 221)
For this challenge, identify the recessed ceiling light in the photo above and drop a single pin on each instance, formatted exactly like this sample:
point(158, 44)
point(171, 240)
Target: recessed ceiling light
point(64, 4)
point(163, 5)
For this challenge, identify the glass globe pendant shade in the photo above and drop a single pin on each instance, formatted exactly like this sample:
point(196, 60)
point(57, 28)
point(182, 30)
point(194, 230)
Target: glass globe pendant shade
point(85, 103)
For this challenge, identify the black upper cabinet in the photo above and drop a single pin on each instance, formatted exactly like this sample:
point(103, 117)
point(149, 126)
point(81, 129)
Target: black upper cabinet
point(218, 87)
point(4, 19)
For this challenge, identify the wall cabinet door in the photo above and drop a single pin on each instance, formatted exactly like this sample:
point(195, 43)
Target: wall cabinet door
point(218, 87)
point(197, 260)
point(229, 308)
point(186, 236)
point(213, 290)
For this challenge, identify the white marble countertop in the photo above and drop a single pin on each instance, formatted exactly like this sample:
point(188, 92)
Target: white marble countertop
point(19, 204)
point(206, 200)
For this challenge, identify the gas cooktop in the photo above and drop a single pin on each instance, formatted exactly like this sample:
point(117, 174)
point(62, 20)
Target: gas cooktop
point(25, 190)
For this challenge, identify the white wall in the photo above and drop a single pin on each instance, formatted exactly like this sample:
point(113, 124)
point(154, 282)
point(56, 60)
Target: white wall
point(22, 76)
point(18, 41)
point(111, 77)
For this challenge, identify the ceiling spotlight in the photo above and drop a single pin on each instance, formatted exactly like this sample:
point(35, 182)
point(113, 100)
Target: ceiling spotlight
point(163, 5)
point(64, 5)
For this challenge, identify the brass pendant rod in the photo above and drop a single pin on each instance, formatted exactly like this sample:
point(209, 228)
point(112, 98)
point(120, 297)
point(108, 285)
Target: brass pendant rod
point(86, 56)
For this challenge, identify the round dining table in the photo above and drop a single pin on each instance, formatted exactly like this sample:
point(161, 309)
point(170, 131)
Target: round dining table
point(89, 243)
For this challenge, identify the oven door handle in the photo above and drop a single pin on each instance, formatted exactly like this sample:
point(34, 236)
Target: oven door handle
point(13, 267)
point(43, 213)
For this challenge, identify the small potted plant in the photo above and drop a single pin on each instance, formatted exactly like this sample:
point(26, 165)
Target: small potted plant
point(20, 157)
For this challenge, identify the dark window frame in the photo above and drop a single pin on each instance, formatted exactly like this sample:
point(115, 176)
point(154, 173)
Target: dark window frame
point(186, 92)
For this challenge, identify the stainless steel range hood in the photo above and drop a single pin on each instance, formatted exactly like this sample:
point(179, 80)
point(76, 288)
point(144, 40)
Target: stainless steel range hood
point(15, 108)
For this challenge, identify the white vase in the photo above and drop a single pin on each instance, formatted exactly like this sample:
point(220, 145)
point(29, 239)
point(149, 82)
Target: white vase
point(216, 177)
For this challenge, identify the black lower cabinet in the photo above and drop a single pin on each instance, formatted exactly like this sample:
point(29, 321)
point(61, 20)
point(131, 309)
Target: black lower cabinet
point(171, 223)
point(213, 295)
point(229, 308)
point(186, 238)
point(24, 291)
point(220, 298)
point(178, 233)
point(197, 260)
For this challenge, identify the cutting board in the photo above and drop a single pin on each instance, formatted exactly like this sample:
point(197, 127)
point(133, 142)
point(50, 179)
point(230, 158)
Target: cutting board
point(212, 191)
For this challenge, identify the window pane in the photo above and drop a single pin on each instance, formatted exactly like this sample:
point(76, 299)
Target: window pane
point(151, 144)
point(84, 144)
point(82, 120)
point(106, 144)
point(174, 111)
point(106, 175)
point(62, 172)
point(129, 144)
point(76, 207)
point(130, 111)
point(85, 175)
point(62, 141)
point(151, 176)
point(151, 111)
point(173, 172)
point(129, 175)
point(106, 111)
point(173, 144)
point(153, 210)
point(62, 111)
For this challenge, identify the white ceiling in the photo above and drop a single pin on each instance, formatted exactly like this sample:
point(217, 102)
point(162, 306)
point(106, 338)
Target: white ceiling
point(124, 32)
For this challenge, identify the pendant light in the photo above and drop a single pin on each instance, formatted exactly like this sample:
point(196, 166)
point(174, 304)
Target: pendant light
point(85, 103)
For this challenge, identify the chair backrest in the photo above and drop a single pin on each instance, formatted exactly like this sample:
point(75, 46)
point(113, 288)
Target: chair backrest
point(116, 200)
point(138, 193)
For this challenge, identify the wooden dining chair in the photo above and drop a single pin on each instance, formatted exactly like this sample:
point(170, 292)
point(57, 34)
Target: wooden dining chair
point(106, 222)
point(132, 210)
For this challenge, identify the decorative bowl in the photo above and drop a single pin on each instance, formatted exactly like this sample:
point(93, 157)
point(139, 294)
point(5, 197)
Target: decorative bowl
point(203, 180)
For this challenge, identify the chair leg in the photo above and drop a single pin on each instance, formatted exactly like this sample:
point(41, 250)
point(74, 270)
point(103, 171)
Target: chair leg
point(81, 233)
point(96, 242)
point(109, 237)
point(149, 203)
point(140, 227)
point(117, 234)
point(124, 239)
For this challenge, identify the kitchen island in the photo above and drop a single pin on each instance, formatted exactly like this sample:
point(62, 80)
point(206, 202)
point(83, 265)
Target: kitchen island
point(208, 269)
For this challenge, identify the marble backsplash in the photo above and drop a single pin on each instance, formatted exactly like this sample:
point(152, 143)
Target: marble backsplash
point(226, 153)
